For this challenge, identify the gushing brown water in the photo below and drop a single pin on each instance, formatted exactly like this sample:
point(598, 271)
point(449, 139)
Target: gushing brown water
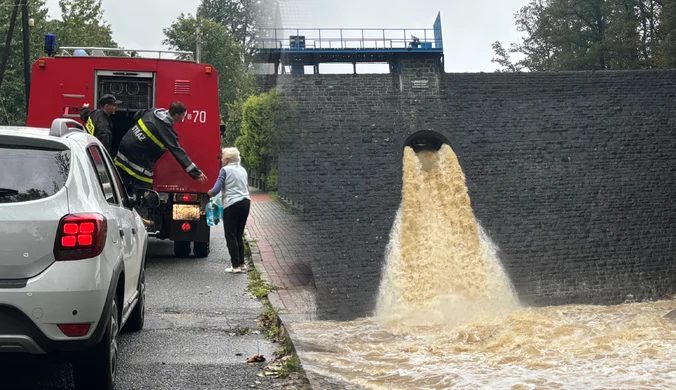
point(440, 269)
point(447, 317)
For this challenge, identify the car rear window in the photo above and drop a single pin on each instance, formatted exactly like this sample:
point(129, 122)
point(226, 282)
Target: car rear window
point(29, 173)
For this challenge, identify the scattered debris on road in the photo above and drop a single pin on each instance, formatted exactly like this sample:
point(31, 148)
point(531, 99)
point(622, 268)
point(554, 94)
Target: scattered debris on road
point(256, 359)
point(240, 332)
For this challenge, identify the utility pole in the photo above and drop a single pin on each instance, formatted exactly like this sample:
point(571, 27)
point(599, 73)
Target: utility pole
point(8, 43)
point(26, 51)
point(198, 40)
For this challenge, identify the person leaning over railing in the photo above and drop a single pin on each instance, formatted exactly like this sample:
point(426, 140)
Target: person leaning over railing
point(233, 184)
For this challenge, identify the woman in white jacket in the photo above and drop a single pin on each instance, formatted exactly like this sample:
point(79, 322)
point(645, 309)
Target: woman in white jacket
point(233, 184)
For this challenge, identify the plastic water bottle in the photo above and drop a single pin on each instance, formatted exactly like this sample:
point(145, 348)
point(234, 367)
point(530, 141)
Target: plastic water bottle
point(214, 211)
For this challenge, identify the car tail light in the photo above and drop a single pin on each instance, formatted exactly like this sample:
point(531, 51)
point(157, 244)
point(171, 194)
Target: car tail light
point(186, 227)
point(186, 198)
point(74, 330)
point(80, 236)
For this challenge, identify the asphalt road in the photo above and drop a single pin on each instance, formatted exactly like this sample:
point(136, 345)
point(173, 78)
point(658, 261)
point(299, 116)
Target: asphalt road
point(193, 308)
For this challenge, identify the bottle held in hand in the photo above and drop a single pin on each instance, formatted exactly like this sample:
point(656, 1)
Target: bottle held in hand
point(214, 211)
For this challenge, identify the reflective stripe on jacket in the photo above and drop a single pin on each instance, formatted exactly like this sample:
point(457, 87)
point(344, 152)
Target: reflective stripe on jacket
point(150, 137)
point(98, 124)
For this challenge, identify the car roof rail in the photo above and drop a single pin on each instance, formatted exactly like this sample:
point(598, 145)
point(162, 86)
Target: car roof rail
point(61, 127)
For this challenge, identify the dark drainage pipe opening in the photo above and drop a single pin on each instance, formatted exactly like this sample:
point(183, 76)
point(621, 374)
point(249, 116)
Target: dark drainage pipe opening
point(426, 140)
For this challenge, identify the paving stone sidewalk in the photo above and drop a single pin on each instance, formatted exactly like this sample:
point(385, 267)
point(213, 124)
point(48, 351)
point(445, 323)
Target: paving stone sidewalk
point(276, 239)
point(276, 243)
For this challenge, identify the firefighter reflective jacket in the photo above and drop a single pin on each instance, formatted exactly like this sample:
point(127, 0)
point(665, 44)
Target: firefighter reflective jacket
point(144, 144)
point(98, 124)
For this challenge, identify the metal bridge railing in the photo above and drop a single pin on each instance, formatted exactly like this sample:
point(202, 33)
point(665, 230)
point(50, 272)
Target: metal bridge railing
point(121, 52)
point(349, 39)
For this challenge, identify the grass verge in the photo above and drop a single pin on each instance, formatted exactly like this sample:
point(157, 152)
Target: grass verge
point(258, 287)
point(284, 362)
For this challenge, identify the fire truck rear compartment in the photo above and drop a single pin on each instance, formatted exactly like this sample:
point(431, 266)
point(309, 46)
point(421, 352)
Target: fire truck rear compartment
point(136, 90)
point(122, 122)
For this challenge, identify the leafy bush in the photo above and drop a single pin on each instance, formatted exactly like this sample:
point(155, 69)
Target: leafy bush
point(272, 178)
point(257, 141)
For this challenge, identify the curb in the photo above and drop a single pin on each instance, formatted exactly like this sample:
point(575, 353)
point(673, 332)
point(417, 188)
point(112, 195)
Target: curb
point(315, 381)
point(297, 208)
point(273, 297)
point(257, 260)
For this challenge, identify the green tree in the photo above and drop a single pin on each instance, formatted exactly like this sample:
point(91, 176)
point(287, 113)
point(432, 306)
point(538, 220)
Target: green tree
point(244, 19)
point(584, 35)
point(503, 58)
point(218, 48)
point(82, 24)
point(233, 124)
point(666, 48)
point(12, 92)
point(258, 139)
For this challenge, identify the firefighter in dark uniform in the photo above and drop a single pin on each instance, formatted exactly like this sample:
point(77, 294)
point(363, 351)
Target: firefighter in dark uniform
point(151, 136)
point(98, 122)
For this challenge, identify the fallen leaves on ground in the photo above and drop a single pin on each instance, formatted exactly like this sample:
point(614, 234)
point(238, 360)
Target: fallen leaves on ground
point(256, 359)
point(275, 368)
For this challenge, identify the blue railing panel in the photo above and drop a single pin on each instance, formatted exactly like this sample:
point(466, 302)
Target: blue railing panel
point(438, 38)
point(350, 39)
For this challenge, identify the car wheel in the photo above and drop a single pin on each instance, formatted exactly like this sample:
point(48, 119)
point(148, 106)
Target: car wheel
point(97, 368)
point(182, 248)
point(138, 315)
point(201, 249)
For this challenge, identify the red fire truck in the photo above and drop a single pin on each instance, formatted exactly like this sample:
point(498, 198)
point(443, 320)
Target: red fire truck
point(61, 84)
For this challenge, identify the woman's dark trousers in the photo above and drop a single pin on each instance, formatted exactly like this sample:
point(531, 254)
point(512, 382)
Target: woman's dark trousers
point(234, 221)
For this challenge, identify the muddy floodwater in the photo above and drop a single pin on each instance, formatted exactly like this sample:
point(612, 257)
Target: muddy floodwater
point(569, 347)
point(447, 316)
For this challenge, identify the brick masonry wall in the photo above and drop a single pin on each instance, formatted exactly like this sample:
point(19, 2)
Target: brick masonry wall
point(572, 174)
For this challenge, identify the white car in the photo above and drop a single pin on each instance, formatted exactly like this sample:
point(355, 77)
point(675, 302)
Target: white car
point(72, 250)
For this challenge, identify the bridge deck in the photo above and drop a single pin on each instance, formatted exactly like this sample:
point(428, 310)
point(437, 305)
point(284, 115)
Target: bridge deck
point(298, 48)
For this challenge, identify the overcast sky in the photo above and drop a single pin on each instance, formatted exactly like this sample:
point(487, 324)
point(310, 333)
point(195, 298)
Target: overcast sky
point(469, 26)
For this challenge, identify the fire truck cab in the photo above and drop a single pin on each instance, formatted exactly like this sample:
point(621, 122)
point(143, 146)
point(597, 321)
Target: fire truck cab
point(62, 83)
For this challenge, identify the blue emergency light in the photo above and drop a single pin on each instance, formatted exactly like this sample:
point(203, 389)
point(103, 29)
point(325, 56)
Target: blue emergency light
point(50, 44)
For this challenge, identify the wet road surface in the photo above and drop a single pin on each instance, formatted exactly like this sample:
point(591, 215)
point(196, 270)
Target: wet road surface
point(193, 307)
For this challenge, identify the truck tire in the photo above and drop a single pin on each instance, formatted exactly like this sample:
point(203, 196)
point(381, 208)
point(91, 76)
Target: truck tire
point(182, 248)
point(201, 249)
point(138, 315)
point(97, 368)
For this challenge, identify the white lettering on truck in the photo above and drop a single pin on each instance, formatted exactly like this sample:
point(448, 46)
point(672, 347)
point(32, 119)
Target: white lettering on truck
point(197, 116)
